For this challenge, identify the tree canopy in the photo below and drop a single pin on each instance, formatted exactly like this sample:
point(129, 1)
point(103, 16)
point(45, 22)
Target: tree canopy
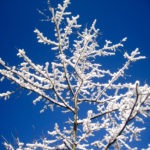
point(101, 109)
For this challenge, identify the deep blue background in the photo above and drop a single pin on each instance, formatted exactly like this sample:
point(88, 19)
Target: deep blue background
point(18, 18)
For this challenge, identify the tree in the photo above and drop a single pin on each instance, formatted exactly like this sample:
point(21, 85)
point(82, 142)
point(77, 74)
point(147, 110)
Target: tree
point(77, 79)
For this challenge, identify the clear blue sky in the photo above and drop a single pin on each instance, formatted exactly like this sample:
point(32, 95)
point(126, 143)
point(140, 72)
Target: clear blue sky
point(18, 19)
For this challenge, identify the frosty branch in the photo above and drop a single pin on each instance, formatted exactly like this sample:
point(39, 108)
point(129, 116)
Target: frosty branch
point(77, 79)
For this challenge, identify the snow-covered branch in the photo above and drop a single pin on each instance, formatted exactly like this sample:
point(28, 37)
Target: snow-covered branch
point(103, 108)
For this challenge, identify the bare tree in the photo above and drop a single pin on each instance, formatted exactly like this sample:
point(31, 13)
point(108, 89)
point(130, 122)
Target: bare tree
point(76, 79)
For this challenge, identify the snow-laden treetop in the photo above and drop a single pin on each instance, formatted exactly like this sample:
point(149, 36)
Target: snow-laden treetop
point(76, 79)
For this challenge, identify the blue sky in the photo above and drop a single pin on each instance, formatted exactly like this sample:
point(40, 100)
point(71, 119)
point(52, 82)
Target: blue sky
point(18, 18)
